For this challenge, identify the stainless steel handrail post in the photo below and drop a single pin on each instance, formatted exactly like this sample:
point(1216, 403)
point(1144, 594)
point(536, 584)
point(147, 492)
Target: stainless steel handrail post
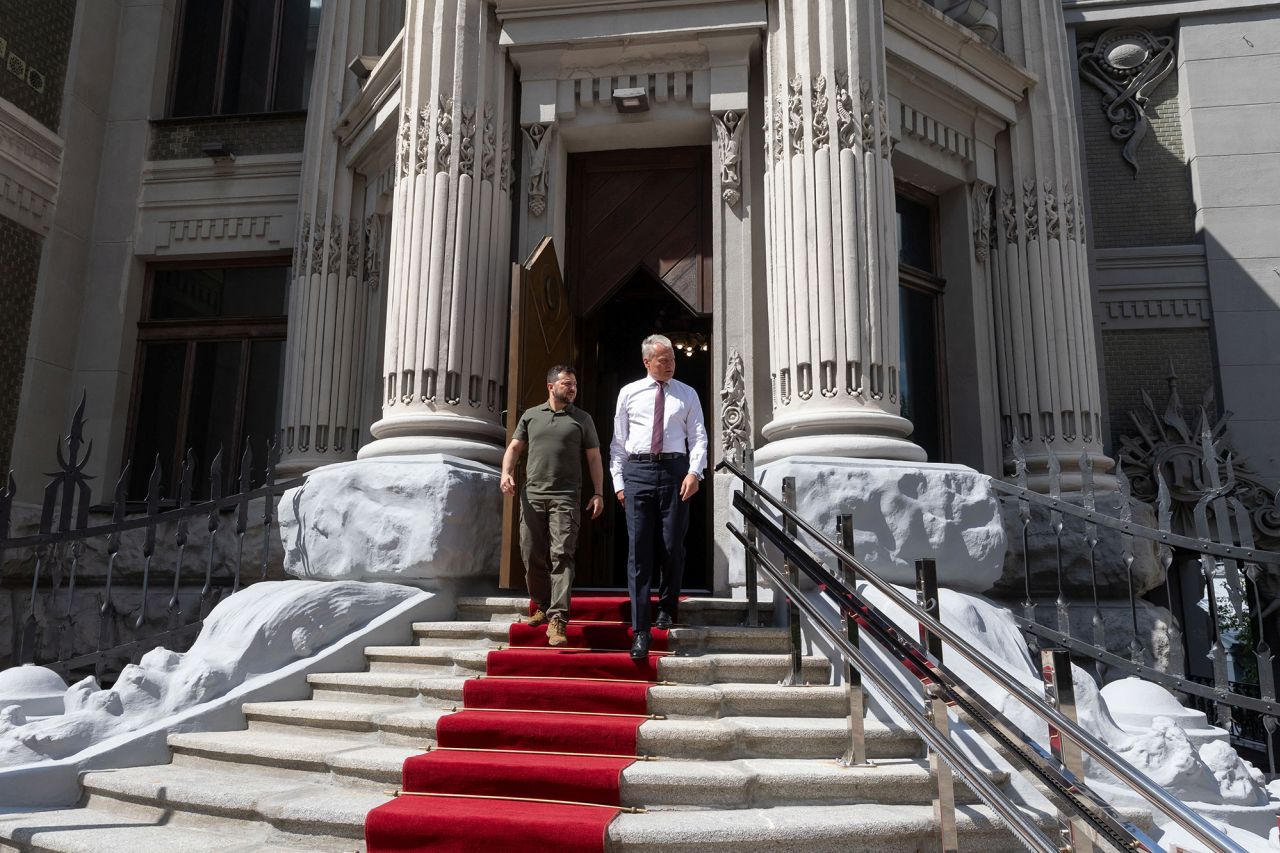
point(1060, 691)
point(944, 799)
point(856, 754)
point(751, 569)
point(796, 677)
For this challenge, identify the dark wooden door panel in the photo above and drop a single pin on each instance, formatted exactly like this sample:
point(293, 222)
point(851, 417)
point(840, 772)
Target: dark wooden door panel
point(647, 208)
point(542, 326)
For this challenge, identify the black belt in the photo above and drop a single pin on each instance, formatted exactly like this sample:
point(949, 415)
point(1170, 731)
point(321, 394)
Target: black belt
point(654, 457)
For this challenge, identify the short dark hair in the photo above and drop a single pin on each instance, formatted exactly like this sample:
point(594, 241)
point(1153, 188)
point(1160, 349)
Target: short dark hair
point(554, 373)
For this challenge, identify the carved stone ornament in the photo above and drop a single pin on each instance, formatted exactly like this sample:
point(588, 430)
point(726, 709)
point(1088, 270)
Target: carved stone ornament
point(795, 113)
point(1126, 64)
point(504, 169)
point(444, 134)
point(317, 249)
point(1009, 213)
point(846, 117)
point(1053, 224)
point(1030, 209)
point(488, 145)
point(467, 140)
point(403, 155)
point(301, 248)
point(423, 148)
point(875, 110)
point(373, 250)
point(821, 127)
point(1069, 213)
point(729, 141)
point(981, 197)
point(735, 417)
point(539, 138)
point(335, 235)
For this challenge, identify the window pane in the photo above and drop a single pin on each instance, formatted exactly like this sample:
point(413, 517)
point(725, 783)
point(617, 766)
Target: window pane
point(915, 234)
point(156, 424)
point(193, 294)
point(919, 383)
point(262, 401)
point(197, 69)
point(215, 388)
point(248, 57)
point(299, 29)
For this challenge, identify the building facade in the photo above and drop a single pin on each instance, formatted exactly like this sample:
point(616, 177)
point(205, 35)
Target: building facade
point(899, 230)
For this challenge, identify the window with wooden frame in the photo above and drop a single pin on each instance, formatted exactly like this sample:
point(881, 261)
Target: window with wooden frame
point(242, 56)
point(208, 371)
point(922, 377)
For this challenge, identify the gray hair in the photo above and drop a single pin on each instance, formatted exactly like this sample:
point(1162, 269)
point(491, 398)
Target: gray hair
point(653, 342)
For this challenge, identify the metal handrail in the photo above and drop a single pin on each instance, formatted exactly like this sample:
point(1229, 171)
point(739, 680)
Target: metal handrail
point(1024, 826)
point(1091, 745)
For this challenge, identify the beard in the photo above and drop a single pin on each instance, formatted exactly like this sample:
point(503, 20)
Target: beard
point(563, 399)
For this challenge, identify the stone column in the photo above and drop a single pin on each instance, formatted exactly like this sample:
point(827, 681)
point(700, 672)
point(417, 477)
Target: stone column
point(329, 299)
point(831, 236)
point(448, 275)
point(1046, 352)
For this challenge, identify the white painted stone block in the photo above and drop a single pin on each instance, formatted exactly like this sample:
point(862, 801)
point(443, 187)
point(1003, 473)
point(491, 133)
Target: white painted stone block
point(408, 519)
point(902, 512)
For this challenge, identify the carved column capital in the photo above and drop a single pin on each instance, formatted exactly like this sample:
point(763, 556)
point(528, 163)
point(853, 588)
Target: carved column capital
point(538, 137)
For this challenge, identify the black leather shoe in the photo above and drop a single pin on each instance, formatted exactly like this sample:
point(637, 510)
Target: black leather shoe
point(640, 646)
point(664, 621)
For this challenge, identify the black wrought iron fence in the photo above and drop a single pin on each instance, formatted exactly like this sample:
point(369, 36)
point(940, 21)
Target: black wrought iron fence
point(129, 556)
point(1222, 593)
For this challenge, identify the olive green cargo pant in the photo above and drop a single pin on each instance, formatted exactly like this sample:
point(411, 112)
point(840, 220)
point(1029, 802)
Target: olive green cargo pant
point(548, 541)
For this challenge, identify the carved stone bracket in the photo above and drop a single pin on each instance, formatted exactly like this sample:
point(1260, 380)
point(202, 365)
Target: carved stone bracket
point(1126, 64)
point(735, 417)
point(980, 195)
point(538, 136)
point(728, 127)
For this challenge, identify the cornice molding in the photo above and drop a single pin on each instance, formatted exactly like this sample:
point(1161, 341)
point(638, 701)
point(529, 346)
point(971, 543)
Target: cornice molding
point(30, 167)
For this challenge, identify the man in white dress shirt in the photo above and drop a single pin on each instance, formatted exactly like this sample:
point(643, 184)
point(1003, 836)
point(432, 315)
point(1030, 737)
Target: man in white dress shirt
point(657, 457)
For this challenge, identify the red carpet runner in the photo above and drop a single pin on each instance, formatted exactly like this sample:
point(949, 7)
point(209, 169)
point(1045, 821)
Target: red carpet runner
point(503, 750)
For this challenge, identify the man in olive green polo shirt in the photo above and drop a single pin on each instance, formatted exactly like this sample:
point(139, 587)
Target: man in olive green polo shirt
point(557, 435)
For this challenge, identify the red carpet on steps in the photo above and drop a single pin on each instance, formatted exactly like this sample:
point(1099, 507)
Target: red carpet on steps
point(500, 751)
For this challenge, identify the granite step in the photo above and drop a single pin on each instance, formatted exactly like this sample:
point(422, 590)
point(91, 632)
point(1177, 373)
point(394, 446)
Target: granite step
point(683, 640)
point(693, 611)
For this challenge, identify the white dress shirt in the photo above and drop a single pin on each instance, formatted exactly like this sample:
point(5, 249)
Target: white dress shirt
point(683, 429)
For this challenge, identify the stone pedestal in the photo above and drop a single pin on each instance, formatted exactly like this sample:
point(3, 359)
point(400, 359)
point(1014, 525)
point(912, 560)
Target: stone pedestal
point(902, 512)
point(406, 519)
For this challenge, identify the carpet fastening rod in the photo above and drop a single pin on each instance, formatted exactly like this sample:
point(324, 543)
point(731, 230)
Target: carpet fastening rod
point(578, 678)
point(456, 709)
point(540, 752)
point(627, 809)
point(503, 647)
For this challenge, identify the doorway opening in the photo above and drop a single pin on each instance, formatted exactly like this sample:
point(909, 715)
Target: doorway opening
point(609, 358)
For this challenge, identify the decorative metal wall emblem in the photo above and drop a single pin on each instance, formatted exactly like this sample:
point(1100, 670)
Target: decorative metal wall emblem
point(735, 418)
point(729, 141)
point(539, 138)
point(1126, 64)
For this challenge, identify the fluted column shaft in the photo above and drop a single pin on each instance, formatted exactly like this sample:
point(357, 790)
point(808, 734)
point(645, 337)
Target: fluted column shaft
point(448, 275)
point(832, 245)
point(329, 299)
point(1046, 354)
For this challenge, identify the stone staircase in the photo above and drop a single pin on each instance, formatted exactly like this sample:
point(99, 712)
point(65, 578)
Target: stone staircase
point(742, 763)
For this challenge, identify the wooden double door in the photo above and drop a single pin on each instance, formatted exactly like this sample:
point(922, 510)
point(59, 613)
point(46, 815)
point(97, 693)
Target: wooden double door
point(638, 261)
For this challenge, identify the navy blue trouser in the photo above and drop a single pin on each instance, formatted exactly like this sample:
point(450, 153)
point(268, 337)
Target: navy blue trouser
point(656, 523)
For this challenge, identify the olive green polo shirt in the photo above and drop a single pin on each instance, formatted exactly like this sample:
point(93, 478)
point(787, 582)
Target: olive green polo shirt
point(556, 443)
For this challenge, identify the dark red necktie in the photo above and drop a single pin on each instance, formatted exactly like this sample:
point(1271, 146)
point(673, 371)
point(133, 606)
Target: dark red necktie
point(659, 410)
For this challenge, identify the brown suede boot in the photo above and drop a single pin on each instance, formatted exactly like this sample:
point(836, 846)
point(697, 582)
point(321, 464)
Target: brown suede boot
point(555, 632)
point(538, 618)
